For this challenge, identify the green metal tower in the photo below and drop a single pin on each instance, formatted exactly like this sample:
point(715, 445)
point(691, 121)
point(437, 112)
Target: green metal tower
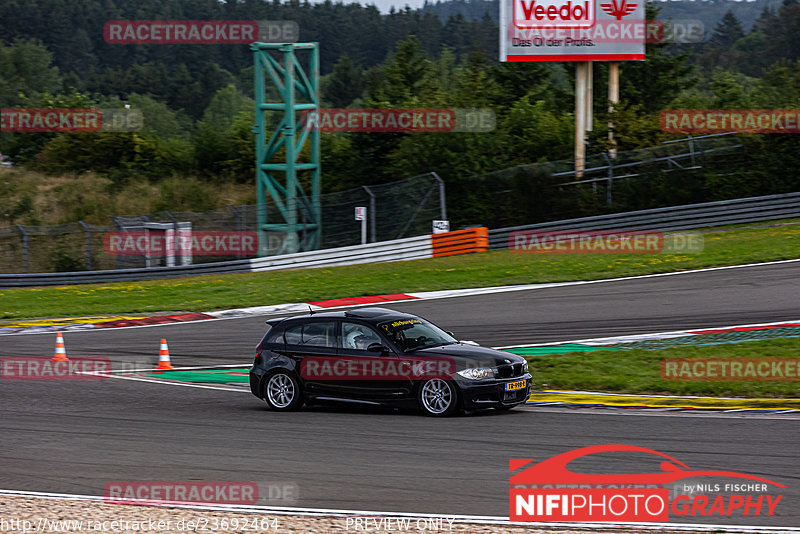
point(280, 160)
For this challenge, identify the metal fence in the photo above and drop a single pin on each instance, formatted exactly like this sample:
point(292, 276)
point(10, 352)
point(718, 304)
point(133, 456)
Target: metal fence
point(674, 218)
point(686, 154)
point(673, 173)
point(742, 210)
point(396, 250)
point(395, 210)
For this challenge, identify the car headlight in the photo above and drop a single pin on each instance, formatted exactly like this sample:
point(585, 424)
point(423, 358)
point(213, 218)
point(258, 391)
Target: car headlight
point(477, 373)
point(525, 367)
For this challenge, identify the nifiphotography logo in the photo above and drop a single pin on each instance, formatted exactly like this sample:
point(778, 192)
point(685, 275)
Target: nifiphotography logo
point(550, 491)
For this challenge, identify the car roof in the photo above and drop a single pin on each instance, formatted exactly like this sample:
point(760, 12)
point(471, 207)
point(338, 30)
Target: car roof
point(372, 315)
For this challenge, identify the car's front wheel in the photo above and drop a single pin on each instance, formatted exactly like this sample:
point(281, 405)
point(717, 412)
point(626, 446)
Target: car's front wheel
point(282, 392)
point(437, 397)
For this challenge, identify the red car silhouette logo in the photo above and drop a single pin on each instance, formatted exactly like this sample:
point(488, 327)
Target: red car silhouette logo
point(554, 470)
point(618, 10)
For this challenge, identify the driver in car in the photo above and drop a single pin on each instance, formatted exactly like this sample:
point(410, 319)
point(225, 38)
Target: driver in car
point(399, 338)
point(358, 339)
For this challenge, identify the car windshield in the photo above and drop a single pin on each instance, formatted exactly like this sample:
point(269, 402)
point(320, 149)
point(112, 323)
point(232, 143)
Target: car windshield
point(413, 334)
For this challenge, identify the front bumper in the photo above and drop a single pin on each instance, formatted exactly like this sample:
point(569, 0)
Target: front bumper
point(478, 394)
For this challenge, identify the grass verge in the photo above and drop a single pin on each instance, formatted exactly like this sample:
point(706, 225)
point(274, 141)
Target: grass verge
point(638, 371)
point(723, 246)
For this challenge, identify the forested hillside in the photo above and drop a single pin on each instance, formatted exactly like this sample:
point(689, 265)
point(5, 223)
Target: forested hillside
point(186, 77)
point(709, 12)
point(198, 107)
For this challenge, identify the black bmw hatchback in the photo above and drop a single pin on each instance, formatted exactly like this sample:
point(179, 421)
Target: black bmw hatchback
point(383, 357)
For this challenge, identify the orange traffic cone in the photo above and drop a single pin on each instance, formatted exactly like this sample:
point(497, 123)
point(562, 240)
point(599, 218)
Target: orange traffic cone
point(163, 356)
point(61, 353)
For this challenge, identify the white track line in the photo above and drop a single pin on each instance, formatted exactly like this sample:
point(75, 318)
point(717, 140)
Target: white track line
point(114, 374)
point(655, 412)
point(668, 412)
point(117, 374)
point(470, 519)
point(644, 337)
point(642, 395)
point(199, 367)
point(170, 383)
point(425, 295)
point(457, 518)
point(432, 295)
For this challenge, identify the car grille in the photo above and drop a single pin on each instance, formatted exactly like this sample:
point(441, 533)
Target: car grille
point(509, 371)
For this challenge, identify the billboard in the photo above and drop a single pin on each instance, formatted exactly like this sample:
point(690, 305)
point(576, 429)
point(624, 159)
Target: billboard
point(572, 30)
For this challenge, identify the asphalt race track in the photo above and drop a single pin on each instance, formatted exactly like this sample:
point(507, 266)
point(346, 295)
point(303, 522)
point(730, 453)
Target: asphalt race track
point(76, 436)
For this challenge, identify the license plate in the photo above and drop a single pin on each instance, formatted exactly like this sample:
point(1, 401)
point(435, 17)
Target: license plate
point(511, 386)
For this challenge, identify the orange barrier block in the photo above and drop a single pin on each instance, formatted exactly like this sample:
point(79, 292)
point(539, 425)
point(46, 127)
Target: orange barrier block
point(460, 241)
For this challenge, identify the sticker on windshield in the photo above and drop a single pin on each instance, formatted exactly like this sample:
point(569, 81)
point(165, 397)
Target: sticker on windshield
point(406, 322)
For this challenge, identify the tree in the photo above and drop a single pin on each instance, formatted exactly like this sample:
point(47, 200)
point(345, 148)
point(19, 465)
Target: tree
point(722, 49)
point(517, 79)
point(538, 134)
point(345, 84)
point(728, 31)
point(219, 149)
point(409, 75)
point(732, 90)
point(23, 147)
point(780, 86)
point(26, 71)
point(656, 81)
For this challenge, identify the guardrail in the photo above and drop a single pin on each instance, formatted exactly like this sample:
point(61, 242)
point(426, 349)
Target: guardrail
point(723, 212)
point(121, 275)
point(411, 248)
point(718, 213)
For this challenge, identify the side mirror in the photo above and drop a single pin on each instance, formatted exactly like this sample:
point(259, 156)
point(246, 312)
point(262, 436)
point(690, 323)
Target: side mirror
point(378, 348)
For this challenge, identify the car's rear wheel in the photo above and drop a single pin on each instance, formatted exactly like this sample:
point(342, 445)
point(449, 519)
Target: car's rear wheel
point(437, 397)
point(282, 392)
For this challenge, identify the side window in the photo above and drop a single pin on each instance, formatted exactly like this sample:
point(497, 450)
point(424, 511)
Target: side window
point(294, 335)
point(271, 337)
point(315, 334)
point(358, 336)
point(320, 334)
